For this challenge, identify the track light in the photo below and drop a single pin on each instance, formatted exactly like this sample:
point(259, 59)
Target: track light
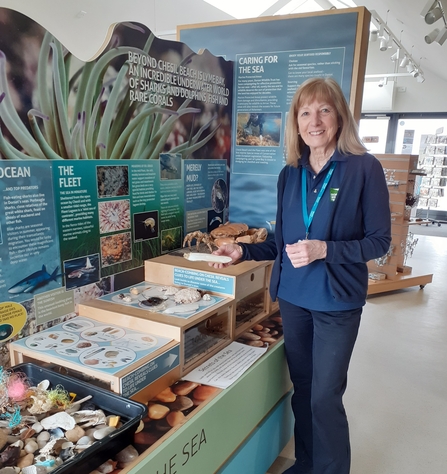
point(410, 67)
point(396, 56)
point(420, 78)
point(383, 82)
point(383, 44)
point(442, 36)
point(432, 36)
point(428, 6)
point(404, 61)
point(373, 35)
point(433, 15)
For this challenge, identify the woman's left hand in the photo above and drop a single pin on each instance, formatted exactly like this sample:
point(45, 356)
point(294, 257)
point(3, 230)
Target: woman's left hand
point(306, 251)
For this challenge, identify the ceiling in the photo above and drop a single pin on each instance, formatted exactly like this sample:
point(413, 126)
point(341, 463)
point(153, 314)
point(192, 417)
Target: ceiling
point(402, 17)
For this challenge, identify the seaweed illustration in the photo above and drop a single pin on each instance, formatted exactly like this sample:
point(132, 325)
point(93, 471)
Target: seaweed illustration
point(87, 113)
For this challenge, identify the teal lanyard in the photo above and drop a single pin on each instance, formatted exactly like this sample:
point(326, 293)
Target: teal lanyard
point(309, 217)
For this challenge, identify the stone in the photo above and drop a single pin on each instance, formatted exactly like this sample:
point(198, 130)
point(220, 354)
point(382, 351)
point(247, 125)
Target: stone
point(25, 461)
point(175, 418)
point(127, 454)
point(75, 434)
point(37, 427)
point(166, 396)
point(157, 411)
point(31, 446)
point(3, 438)
point(184, 388)
point(182, 403)
point(8, 470)
point(34, 470)
point(204, 391)
point(103, 432)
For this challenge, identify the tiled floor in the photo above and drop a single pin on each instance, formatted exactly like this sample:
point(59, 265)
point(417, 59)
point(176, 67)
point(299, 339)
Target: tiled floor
point(397, 391)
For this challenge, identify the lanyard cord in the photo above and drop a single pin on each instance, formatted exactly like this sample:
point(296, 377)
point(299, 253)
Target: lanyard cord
point(308, 218)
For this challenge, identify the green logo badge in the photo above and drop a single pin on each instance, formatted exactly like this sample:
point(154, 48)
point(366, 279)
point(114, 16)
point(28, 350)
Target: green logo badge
point(334, 192)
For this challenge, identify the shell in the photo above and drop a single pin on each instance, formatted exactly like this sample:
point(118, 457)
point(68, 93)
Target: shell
point(58, 420)
point(170, 290)
point(187, 295)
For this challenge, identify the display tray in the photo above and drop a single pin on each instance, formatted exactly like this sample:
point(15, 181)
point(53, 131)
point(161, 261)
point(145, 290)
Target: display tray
point(125, 360)
point(130, 412)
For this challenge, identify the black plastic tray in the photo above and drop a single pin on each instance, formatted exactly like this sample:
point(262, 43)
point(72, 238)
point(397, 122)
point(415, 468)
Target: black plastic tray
point(130, 411)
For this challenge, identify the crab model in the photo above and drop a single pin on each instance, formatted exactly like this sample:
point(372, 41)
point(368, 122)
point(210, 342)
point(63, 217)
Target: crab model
point(227, 233)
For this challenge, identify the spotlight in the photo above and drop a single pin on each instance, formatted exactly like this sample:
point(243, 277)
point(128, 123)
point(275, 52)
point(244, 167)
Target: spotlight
point(383, 82)
point(433, 15)
point(442, 36)
point(420, 78)
point(373, 35)
point(428, 7)
point(415, 73)
point(432, 36)
point(410, 68)
point(395, 56)
point(404, 61)
point(383, 44)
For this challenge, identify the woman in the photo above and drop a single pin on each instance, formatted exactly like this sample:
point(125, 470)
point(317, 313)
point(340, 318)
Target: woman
point(332, 217)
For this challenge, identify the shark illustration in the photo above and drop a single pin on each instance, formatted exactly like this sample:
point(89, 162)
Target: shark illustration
point(33, 281)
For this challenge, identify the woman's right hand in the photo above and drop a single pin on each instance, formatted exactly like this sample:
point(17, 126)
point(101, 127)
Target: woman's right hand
point(234, 251)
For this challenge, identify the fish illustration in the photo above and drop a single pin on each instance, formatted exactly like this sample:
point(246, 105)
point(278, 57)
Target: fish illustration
point(34, 281)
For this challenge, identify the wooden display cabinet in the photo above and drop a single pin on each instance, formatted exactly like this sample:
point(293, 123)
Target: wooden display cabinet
point(200, 336)
point(141, 366)
point(246, 282)
point(400, 172)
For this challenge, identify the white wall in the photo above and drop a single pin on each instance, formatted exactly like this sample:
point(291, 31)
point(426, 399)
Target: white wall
point(83, 26)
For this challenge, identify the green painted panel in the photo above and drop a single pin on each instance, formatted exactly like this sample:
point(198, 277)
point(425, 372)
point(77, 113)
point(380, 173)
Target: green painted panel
point(210, 437)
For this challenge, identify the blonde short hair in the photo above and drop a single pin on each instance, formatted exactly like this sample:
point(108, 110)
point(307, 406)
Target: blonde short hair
point(326, 90)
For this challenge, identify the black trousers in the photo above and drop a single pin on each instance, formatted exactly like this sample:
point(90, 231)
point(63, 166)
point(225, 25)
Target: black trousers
point(318, 348)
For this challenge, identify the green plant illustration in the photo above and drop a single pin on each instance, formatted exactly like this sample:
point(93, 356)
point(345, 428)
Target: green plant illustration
point(87, 114)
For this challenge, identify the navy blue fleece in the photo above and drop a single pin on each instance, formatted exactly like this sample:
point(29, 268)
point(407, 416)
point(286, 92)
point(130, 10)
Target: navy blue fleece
point(356, 229)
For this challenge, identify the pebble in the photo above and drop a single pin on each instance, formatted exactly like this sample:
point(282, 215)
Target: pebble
point(83, 442)
point(42, 439)
point(166, 396)
point(182, 403)
point(157, 411)
point(103, 432)
point(204, 391)
point(127, 454)
point(37, 427)
point(34, 470)
point(184, 388)
point(25, 461)
point(174, 418)
point(3, 438)
point(8, 470)
point(31, 446)
point(75, 434)
point(107, 467)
